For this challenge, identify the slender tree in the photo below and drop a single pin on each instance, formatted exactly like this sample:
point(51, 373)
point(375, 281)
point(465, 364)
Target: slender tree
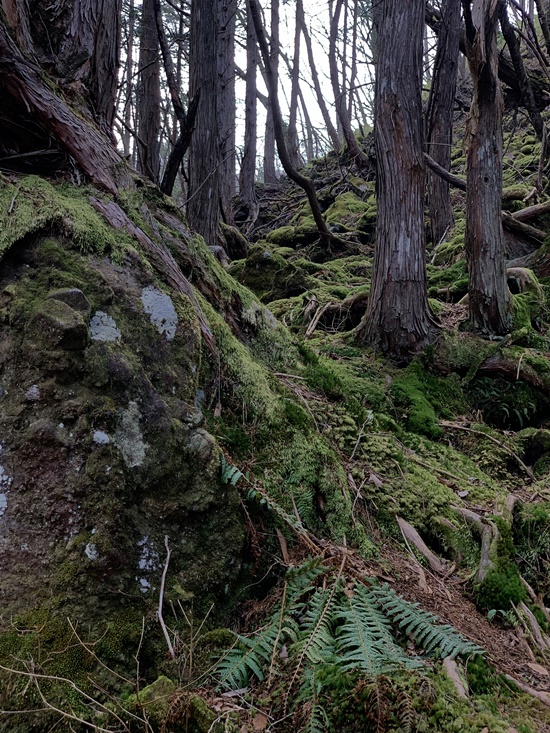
point(398, 319)
point(227, 10)
point(489, 298)
point(248, 168)
point(203, 207)
point(148, 95)
point(269, 140)
point(439, 118)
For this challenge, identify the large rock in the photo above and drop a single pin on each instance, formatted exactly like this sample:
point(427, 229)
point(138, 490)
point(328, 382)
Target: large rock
point(103, 452)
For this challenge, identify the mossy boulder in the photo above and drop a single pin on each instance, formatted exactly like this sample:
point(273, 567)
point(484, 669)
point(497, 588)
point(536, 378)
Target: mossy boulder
point(104, 450)
point(270, 276)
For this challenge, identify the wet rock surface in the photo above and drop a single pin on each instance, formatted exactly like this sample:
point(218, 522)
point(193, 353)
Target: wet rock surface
point(103, 450)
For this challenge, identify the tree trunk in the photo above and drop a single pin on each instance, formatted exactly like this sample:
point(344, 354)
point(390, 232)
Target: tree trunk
point(527, 96)
point(247, 176)
point(398, 319)
point(226, 105)
point(439, 119)
point(293, 146)
point(489, 298)
point(129, 75)
point(305, 183)
point(30, 104)
point(79, 42)
point(318, 92)
point(203, 207)
point(148, 96)
point(269, 141)
point(340, 96)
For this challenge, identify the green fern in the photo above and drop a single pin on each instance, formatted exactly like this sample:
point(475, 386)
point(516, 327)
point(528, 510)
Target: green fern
point(230, 474)
point(314, 717)
point(364, 638)
point(421, 626)
point(250, 655)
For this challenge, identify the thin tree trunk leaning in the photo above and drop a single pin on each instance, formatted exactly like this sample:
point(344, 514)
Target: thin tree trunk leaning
point(489, 298)
point(398, 319)
point(340, 95)
point(203, 205)
point(542, 12)
point(247, 176)
point(305, 183)
point(439, 119)
point(22, 87)
point(181, 146)
point(331, 130)
point(185, 119)
point(506, 72)
point(148, 96)
point(527, 96)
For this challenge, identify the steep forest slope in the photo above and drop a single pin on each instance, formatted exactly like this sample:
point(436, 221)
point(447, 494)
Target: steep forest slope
point(192, 450)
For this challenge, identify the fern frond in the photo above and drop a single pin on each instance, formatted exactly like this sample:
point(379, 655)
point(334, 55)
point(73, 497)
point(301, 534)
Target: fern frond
point(313, 718)
point(229, 474)
point(364, 639)
point(316, 636)
point(249, 656)
point(423, 627)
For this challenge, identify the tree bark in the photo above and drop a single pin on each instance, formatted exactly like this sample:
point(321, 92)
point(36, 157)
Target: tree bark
point(527, 96)
point(226, 105)
point(398, 319)
point(79, 42)
point(269, 140)
point(489, 298)
point(203, 207)
point(25, 94)
point(247, 176)
point(439, 119)
point(148, 95)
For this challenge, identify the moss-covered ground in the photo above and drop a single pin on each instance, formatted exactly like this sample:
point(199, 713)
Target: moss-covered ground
point(334, 444)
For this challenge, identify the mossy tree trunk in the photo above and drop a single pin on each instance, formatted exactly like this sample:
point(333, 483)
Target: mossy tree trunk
point(398, 319)
point(489, 298)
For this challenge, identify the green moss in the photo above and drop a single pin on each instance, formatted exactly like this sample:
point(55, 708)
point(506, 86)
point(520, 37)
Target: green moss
point(283, 236)
point(34, 204)
point(346, 210)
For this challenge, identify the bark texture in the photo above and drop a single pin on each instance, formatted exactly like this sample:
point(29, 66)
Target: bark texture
point(26, 98)
point(226, 104)
point(148, 98)
point(398, 319)
point(204, 157)
point(248, 167)
point(489, 298)
point(79, 44)
point(439, 119)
